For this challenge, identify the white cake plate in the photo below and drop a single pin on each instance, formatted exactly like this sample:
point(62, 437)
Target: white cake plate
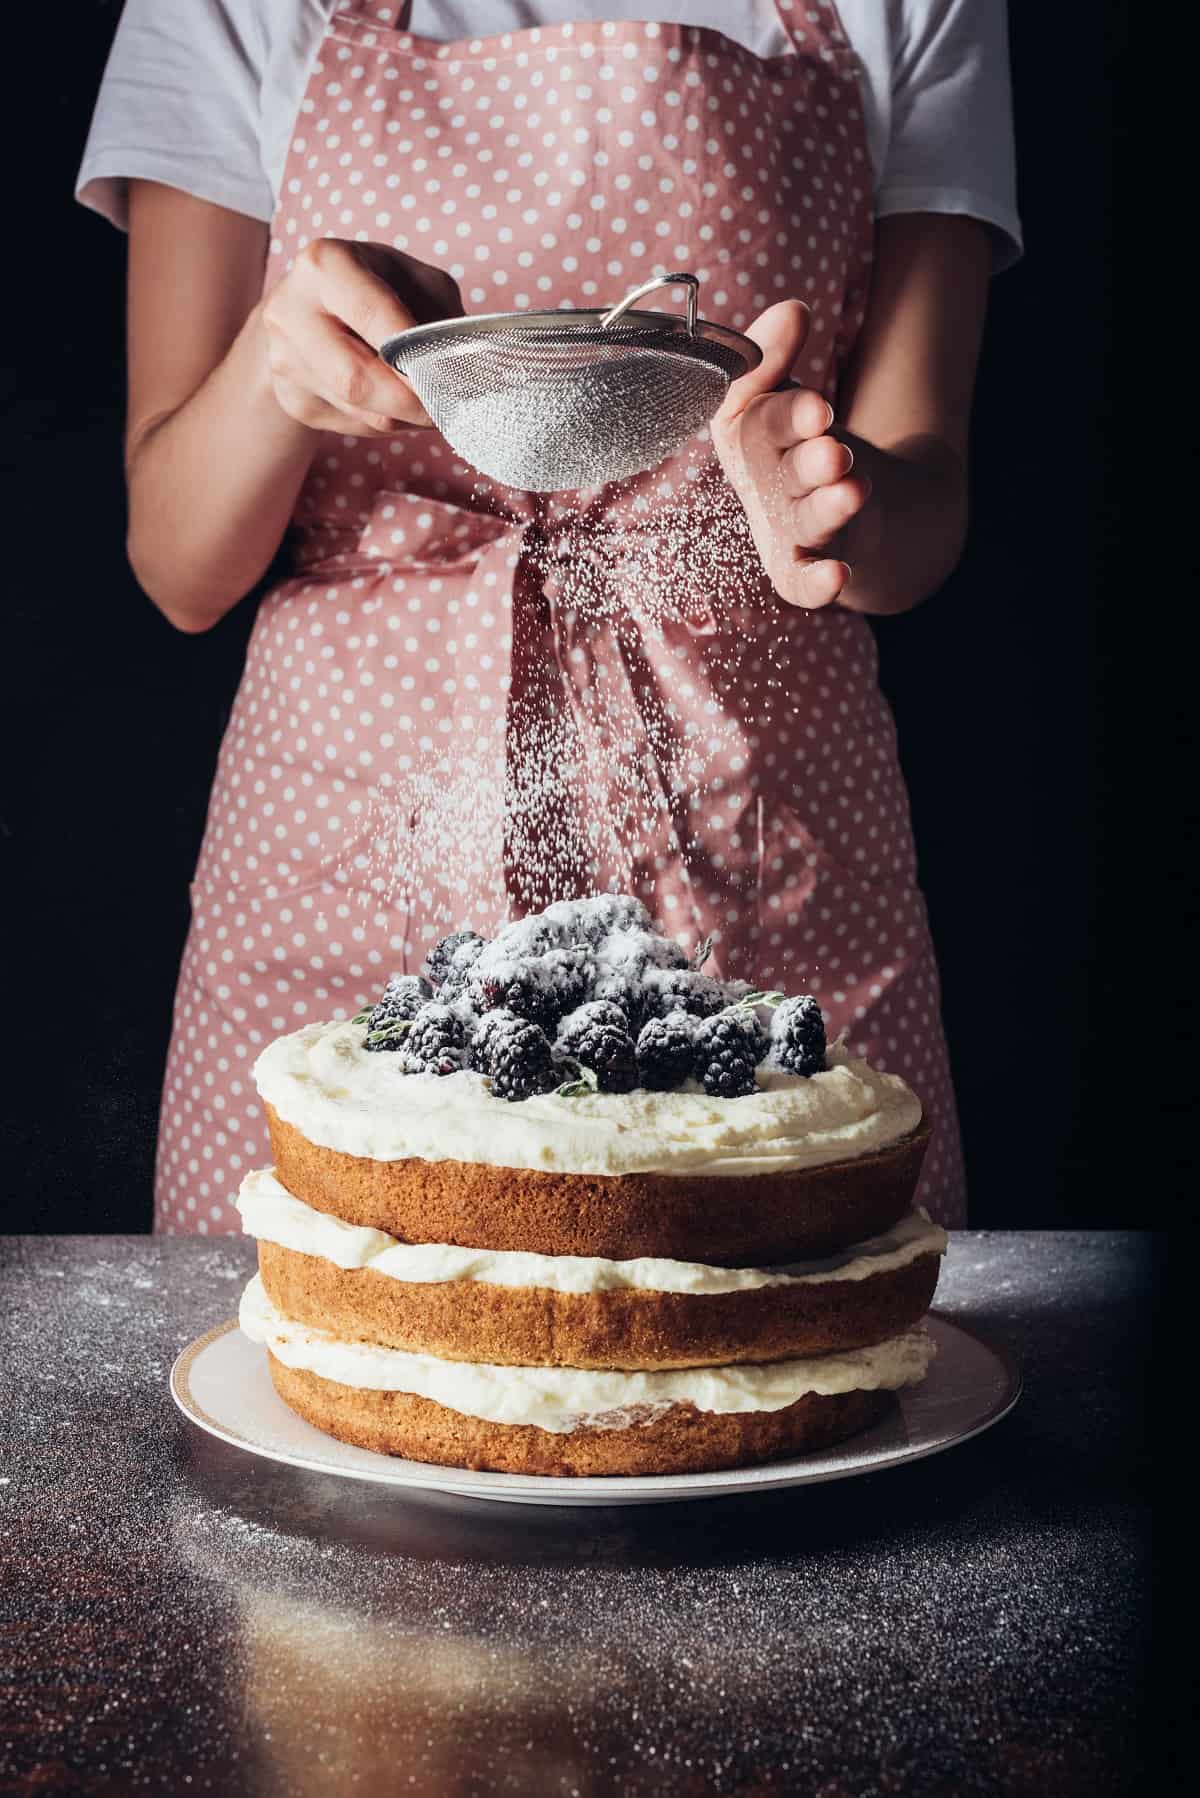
point(221, 1383)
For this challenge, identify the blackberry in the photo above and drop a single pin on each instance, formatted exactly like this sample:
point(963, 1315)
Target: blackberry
point(591, 920)
point(449, 961)
point(746, 1019)
point(521, 1061)
point(756, 1033)
point(666, 1051)
point(436, 1043)
point(622, 990)
point(527, 937)
point(542, 989)
point(727, 1048)
point(608, 1050)
point(596, 1011)
point(798, 1036)
point(479, 1051)
point(457, 981)
point(404, 995)
point(401, 999)
point(638, 950)
point(680, 989)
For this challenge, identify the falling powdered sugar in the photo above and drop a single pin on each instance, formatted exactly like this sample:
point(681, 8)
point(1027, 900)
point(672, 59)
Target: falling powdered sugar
point(643, 672)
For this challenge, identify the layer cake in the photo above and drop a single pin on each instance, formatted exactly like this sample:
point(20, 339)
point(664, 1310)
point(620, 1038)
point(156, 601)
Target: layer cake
point(565, 1204)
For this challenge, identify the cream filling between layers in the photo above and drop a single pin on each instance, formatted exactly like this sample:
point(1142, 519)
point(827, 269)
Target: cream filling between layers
point(328, 1086)
point(273, 1214)
point(561, 1399)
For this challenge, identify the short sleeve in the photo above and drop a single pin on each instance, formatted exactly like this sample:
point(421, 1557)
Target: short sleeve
point(180, 103)
point(950, 143)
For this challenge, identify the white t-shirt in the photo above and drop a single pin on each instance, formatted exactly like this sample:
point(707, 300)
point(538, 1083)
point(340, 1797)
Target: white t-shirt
point(203, 94)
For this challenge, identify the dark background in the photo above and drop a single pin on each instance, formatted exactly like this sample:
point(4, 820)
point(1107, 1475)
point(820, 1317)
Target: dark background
point(1010, 690)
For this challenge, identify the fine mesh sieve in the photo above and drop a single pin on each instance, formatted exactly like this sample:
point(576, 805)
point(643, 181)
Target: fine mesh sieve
point(549, 400)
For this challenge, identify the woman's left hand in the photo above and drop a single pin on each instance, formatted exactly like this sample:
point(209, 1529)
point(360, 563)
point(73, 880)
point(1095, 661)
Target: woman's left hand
point(794, 480)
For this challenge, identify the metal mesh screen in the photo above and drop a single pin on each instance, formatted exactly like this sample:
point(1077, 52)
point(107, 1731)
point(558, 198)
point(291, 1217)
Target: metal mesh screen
point(563, 407)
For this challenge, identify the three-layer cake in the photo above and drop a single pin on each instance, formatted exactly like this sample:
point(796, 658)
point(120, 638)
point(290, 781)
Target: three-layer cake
point(566, 1206)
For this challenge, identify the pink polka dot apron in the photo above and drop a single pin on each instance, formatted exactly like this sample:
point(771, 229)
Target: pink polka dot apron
point(460, 679)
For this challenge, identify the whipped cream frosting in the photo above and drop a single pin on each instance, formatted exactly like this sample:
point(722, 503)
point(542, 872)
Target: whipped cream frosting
point(328, 1086)
point(272, 1214)
point(560, 1399)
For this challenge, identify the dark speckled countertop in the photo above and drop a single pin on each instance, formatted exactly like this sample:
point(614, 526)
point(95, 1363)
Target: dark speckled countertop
point(180, 1617)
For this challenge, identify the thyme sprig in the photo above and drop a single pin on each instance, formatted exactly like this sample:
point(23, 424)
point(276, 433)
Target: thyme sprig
point(584, 1081)
point(389, 1034)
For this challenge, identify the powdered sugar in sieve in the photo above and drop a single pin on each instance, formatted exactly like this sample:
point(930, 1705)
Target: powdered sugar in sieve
point(549, 400)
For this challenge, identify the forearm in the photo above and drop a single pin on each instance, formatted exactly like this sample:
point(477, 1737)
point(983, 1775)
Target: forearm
point(212, 486)
point(905, 542)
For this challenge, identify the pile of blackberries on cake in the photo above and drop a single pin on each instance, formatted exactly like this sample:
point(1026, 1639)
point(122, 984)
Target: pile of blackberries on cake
point(589, 996)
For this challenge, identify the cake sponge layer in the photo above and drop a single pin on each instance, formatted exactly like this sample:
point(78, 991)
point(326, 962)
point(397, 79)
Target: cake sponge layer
point(567, 1399)
point(465, 1320)
point(680, 1439)
point(731, 1220)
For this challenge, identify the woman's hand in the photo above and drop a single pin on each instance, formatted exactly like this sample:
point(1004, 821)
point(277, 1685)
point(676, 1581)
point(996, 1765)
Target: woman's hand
point(325, 321)
point(229, 392)
point(793, 479)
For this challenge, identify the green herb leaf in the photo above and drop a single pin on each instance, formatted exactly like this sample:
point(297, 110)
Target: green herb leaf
point(748, 1000)
point(586, 1082)
point(361, 1018)
point(390, 1032)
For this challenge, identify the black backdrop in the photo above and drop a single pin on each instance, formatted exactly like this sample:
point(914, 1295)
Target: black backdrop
point(1006, 688)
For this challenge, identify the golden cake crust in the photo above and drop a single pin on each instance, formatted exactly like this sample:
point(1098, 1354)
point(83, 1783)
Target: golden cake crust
point(468, 1320)
point(681, 1440)
point(731, 1221)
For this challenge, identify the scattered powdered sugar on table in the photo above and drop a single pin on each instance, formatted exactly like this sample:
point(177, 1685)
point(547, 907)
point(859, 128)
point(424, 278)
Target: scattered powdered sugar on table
point(187, 1617)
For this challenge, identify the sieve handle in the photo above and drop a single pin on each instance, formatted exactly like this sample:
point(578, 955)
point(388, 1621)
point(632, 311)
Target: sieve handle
point(639, 293)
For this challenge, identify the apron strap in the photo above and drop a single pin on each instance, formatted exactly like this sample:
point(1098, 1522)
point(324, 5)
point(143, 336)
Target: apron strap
point(802, 28)
point(393, 16)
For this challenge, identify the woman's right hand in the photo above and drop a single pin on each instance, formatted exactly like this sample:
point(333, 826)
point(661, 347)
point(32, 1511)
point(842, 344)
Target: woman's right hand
point(230, 390)
point(324, 322)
